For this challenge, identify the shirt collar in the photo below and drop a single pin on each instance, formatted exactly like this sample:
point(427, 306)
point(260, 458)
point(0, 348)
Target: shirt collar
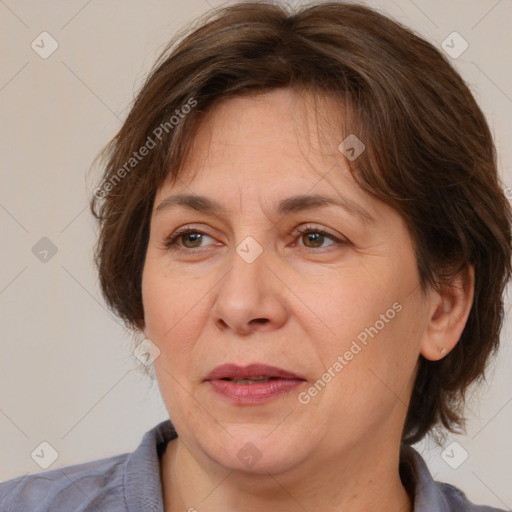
point(417, 479)
point(142, 478)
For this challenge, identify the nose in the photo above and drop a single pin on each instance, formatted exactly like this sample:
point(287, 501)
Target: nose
point(251, 297)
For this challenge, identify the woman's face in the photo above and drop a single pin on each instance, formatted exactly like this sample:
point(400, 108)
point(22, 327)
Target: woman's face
point(339, 308)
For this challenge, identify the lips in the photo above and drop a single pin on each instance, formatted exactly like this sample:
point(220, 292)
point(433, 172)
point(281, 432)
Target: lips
point(255, 384)
point(233, 372)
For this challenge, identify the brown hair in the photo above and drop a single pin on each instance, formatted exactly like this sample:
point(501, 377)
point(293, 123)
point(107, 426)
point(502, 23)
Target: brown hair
point(429, 154)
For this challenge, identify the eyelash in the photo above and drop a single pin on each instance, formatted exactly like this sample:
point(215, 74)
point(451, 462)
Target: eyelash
point(172, 240)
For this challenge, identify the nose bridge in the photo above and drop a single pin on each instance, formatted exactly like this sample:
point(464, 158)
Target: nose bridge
point(246, 281)
point(250, 291)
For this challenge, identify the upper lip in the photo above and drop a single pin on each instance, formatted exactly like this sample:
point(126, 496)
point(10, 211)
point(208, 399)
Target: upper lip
point(233, 371)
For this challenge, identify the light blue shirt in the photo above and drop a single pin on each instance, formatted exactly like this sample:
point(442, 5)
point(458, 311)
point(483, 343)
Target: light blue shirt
point(131, 483)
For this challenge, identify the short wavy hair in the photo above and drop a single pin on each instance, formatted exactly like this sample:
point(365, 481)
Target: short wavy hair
point(429, 155)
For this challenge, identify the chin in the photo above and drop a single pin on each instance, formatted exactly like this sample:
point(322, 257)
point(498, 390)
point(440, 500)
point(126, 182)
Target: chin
point(249, 448)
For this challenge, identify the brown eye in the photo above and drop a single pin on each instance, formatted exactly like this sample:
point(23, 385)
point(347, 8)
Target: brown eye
point(193, 238)
point(314, 238)
point(184, 239)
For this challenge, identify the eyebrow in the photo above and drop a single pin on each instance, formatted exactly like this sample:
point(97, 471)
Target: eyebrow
point(292, 204)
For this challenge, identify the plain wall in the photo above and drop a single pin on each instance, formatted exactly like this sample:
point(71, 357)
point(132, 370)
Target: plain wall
point(66, 371)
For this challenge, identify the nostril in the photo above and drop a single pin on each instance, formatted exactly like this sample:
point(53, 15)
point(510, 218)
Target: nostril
point(260, 320)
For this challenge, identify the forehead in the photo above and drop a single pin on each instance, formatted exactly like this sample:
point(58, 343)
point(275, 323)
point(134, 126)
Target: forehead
point(268, 142)
point(273, 153)
point(278, 124)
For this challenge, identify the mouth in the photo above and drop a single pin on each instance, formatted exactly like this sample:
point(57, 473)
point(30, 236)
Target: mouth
point(254, 384)
point(255, 380)
point(251, 374)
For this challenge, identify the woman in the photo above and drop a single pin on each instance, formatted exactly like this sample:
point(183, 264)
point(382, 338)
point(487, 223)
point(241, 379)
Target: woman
point(316, 254)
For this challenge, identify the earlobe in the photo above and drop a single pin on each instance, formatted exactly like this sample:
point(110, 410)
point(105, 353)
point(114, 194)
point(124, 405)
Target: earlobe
point(449, 313)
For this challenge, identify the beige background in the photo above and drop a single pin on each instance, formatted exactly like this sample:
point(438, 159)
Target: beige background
point(66, 372)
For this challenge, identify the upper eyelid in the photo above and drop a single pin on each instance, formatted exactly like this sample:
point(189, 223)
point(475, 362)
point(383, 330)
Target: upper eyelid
point(302, 227)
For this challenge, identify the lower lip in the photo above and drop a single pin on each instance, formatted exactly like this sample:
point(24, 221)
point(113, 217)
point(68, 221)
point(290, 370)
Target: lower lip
point(247, 394)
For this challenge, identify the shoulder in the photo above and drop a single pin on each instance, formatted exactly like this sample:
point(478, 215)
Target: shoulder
point(91, 485)
point(430, 495)
point(458, 501)
point(104, 484)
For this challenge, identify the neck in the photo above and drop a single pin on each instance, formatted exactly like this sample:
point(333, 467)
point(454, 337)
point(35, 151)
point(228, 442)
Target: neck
point(353, 484)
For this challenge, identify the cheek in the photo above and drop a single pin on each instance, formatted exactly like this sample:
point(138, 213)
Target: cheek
point(372, 330)
point(351, 305)
point(389, 349)
point(371, 369)
point(174, 309)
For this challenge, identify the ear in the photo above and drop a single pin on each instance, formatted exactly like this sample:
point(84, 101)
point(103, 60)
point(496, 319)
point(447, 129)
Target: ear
point(448, 315)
